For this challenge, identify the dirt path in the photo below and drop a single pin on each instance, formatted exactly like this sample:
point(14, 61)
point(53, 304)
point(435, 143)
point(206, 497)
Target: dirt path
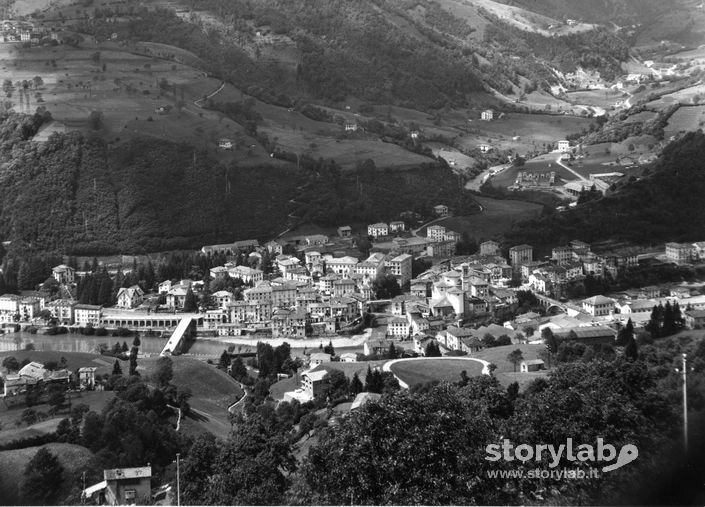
point(570, 170)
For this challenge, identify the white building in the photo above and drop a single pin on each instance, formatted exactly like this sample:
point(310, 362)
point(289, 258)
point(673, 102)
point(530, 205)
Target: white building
point(378, 230)
point(87, 314)
point(130, 297)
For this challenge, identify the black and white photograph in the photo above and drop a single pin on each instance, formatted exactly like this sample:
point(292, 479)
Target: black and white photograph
point(352, 252)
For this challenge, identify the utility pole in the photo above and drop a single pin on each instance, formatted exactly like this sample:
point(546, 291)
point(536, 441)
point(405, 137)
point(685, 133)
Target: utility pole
point(685, 402)
point(178, 480)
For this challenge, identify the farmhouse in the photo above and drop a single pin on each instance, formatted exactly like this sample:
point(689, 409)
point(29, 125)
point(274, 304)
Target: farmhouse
point(487, 115)
point(564, 146)
point(441, 210)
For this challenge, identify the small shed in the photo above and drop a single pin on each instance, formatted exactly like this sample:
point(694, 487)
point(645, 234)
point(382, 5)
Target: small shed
point(532, 365)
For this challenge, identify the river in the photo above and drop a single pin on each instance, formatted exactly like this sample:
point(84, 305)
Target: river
point(79, 343)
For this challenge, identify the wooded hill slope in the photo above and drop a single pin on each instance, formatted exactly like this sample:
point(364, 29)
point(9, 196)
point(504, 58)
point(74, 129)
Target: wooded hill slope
point(76, 194)
point(414, 53)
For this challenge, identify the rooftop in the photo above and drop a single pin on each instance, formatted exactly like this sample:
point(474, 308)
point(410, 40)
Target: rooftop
point(127, 473)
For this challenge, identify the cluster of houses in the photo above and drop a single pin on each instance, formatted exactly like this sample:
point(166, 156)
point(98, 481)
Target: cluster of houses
point(25, 31)
point(320, 287)
point(35, 374)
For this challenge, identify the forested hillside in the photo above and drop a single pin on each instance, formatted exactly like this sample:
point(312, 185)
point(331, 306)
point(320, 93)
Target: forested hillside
point(667, 205)
point(77, 194)
point(413, 53)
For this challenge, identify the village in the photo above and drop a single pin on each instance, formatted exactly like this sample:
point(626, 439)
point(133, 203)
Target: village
point(322, 291)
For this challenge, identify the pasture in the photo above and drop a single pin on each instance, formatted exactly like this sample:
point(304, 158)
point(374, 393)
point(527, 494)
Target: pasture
point(686, 119)
point(10, 415)
point(73, 458)
point(126, 89)
point(605, 98)
point(213, 391)
point(521, 132)
point(431, 369)
point(497, 217)
point(505, 370)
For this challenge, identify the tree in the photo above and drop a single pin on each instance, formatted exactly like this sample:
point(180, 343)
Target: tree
point(164, 372)
point(328, 349)
point(549, 339)
point(133, 361)
point(380, 456)
point(432, 349)
point(224, 360)
point(630, 350)
point(136, 342)
point(43, 479)
point(385, 286)
point(356, 386)
point(11, 364)
point(250, 467)
point(117, 369)
point(38, 81)
point(29, 416)
point(392, 352)
point(190, 304)
point(489, 340)
point(57, 397)
point(95, 120)
point(515, 357)
point(626, 334)
point(238, 370)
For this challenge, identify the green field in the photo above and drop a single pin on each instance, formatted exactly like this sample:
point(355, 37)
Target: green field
point(213, 391)
point(505, 370)
point(686, 119)
point(602, 98)
point(497, 217)
point(127, 94)
point(13, 463)
point(427, 370)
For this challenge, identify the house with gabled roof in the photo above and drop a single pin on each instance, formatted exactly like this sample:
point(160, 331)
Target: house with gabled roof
point(130, 297)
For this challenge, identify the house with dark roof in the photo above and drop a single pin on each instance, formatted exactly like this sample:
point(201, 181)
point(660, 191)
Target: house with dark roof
point(589, 335)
